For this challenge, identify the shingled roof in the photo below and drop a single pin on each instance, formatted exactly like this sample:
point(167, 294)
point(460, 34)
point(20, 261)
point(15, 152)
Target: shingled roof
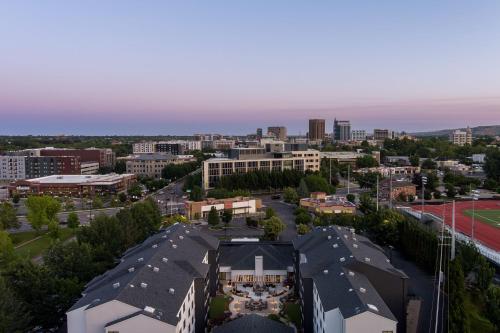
point(156, 274)
point(242, 255)
point(253, 323)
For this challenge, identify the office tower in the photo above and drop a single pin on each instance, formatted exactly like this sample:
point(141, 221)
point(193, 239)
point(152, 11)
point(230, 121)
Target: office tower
point(341, 130)
point(259, 133)
point(316, 129)
point(278, 131)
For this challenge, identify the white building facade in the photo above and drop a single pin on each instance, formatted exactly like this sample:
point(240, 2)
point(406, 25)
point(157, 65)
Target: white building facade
point(12, 167)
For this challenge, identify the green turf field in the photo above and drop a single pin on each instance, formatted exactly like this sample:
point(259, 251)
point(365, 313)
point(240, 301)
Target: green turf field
point(489, 216)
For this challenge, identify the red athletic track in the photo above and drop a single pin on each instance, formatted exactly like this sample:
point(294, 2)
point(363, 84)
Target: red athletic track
point(485, 233)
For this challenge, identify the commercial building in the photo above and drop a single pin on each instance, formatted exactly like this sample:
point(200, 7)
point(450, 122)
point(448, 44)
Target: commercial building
point(396, 189)
point(162, 285)
point(346, 284)
point(316, 129)
point(259, 133)
point(42, 166)
point(279, 132)
point(174, 147)
point(397, 172)
point(12, 167)
point(341, 130)
point(459, 137)
point(321, 203)
point(104, 156)
point(382, 134)
point(358, 135)
point(251, 159)
point(222, 144)
point(239, 206)
point(73, 185)
point(397, 160)
point(347, 157)
point(151, 165)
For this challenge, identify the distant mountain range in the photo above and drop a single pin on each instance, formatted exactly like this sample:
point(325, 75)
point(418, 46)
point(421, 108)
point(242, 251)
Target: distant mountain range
point(492, 130)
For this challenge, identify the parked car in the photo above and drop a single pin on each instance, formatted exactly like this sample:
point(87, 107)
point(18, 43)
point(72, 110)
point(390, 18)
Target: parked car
point(275, 196)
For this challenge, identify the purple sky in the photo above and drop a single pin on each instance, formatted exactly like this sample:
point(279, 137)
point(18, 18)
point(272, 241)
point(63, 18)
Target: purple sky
point(180, 67)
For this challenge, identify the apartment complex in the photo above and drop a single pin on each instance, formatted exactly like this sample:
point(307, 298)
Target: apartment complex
point(316, 129)
point(162, 285)
point(104, 156)
point(42, 166)
point(279, 132)
point(12, 167)
point(73, 185)
point(251, 159)
point(341, 130)
point(459, 137)
point(346, 284)
point(239, 206)
point(358, 135)
point(174, 147)
point(151, 165)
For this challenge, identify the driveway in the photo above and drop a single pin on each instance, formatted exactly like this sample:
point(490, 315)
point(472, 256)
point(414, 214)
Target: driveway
point(285, 213)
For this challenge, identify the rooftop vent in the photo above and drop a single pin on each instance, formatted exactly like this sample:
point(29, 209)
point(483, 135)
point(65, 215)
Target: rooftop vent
point(351, 273)
point(156, 269)
point(174, 246)
point(131, 269)
point(116, 285)
point(132, 286)
point(339, 228)
point(149, 309)
point(164, 236)
point(387, 260)
point(171, 290)
point(325, 271)
point(345, 236)
point(168, 231)
point(363, 290)
point(342, 259)
point(154, 246)
point(341, 273)
point(181, 237)
point(149, 266)
point(353, 231)
point(354, 238)
point(372, 307)
point(144, 285)
point(324, 229)
point(367, 259)
point(350, 289)
point(335, 245)
point(187, 231)
point(171, 240)
point(164, 259)
point(140, 259)
point(355, 245)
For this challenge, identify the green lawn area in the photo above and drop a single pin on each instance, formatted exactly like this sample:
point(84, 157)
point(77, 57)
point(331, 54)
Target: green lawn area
point(218, 305)
point(489, 216)
point(477, 322)
point(40, 245)
point(21, 237)
point(292, 311)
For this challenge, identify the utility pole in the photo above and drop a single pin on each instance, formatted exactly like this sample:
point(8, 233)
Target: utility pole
point(475, 196)
point(330, 171)
point(390, 188)
point(377, 192)
point(348, 177)
point(453, 232)
point(424, 182)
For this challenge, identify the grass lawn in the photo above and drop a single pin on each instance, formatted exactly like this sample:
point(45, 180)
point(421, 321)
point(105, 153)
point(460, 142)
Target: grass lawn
point(21, 237)
point(292, 311)
point(218, 305)
point(489, 216)
point(477, 322)
point(42, 244)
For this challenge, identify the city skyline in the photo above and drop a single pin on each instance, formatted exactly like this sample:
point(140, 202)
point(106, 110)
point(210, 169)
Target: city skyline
point(180, 68)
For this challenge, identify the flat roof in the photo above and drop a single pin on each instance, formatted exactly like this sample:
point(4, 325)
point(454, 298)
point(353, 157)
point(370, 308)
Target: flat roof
point(78, 179)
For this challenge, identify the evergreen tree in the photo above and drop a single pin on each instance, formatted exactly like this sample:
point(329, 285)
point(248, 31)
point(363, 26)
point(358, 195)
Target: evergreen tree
point(458, 317)
point(303, 191)
point(213, 217)
point(14, 316)
point(73, 220)
point(8, 217)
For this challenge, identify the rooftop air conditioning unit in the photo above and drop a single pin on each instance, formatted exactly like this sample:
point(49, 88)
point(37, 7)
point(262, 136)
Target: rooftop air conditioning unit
point(171, 291)
point(144, 285)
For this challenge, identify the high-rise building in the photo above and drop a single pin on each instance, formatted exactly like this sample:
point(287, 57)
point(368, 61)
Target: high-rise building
point(278, 131)
point(382, 134)
point(341, 130)
point(259, 133)
point(316, 129)
point(459, 137)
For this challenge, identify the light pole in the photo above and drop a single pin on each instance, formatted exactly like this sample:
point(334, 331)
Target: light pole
point(424, 182)
point(475, 196)
point(377, 192)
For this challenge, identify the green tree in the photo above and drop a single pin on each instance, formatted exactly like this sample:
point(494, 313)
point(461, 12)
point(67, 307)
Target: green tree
point(290, 195)
point(54, 230)
point(8, 216)
point(16, 198)
point(105, 235)
point(122, 197)
point(492, 164)
point(366, 203)
point(351, 198)
point(273, 227)
point(485, 273)
point(73, 221)
point(42, 210)
point(303, 190)
point(70, 260)
point(213, 216)
point(303, 218)
point(97, 203)
point(135, 191)
point(458, 317)
point(303, 229)
point(14, 316)
point(414, 160)
point(450, 191)
point(270, 212)
point(493, 305)
point(366, 161)
point(147, 218)
point(6, 249)
point(227, 216)
point(196, 194)
point(316, 183)
point(120, 167)
point(429, 164)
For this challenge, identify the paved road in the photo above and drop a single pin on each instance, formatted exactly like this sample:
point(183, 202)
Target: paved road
point(285, 213)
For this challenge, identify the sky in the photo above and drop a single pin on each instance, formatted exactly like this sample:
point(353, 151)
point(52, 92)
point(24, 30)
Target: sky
point(183, 67)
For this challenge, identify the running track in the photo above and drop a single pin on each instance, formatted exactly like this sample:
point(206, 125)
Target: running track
point(484, 233)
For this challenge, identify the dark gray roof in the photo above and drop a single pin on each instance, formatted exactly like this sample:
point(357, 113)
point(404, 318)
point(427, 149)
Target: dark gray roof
point(242, 255)
point(253, 323)
point(331, 256)
point(143, 278)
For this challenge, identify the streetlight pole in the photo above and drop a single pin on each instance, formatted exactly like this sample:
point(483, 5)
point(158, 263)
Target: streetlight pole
point(348, 177)
point(377, 192)
point(475, 196)
point(424, 182)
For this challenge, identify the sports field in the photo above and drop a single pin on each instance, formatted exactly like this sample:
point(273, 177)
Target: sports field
point(487, 219)
point(490, 216)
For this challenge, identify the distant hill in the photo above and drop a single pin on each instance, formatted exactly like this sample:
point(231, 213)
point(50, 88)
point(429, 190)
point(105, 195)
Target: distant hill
point(476, 131)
